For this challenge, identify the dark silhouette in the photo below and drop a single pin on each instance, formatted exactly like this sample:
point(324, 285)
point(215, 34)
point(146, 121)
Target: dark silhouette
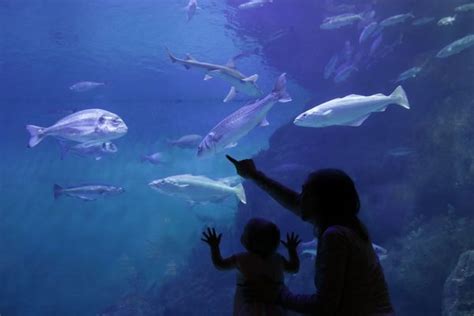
point(261, 263)
point(349, 278)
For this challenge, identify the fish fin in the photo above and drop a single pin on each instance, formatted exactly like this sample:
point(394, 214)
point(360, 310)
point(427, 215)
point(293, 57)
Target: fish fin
point(264, 122)
point(231, 145)
point(280, 89)
point(231, 95)
point(189, 57)
point(57, 190)
point(357, 122)
point(231, 63)
point(240, 192)
point(207, 77)
point(187, 66)
point(252, 78)
point(36, 133)
point(399, 97)
point(63, 149)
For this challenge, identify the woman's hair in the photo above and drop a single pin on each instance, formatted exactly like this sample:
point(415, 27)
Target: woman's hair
point(261, 237)
point(337, 200)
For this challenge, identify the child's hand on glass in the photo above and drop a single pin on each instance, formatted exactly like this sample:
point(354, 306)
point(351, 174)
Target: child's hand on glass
point(292, 241)
point(211, 238)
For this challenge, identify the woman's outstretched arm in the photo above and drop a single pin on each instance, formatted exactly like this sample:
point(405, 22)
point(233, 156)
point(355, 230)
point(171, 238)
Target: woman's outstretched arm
point(280, 193)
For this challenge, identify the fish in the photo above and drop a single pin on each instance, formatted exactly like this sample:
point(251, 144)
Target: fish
point(93, 149)
point(400, 151)
point(447, 20)
point(187, 141)
point(423, 21)
point(375, 45)
point(198, 189)
point(456, 46)
point(92, 125)
point(228, 72)
point(254, 4)
point(396, 19)
point(368, 32)
point(89, 192)
point(408, 74)
point(191, 9)
point(227, 132)
point(344, 72)
point(331, 66)
point(155, 159)
point(338, 21)
point(310, 248)
point(84, 86)
point(464, 8)
point(351, 110)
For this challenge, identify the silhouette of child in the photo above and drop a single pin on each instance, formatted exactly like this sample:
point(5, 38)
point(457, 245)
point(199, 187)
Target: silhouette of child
point(261, 263)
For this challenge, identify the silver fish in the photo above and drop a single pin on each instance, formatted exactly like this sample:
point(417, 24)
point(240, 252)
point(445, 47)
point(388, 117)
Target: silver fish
point(408, 74)
point(456, 46)
point(375, 45)
point(198, 189)
point(400, 151)
point(239, 82)
point(93, 125)
point(447, 20)
point(238, 124)
point(465, 8)
point(338, 21)
point(368, 32)
point(155, 159)
point(254, 4)
point(187, 141)
point(396, 19)
point(351, 110)
point(87, 192)
point(84, 86)
point(331, 66)
point(344, 72)
point(94, 150)
point(191, 9)
point(422, 21)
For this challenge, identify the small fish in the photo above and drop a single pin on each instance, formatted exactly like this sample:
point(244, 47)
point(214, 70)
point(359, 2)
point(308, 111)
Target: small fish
point(448, 20)
point(310, 248)
point(465, 8)
point(368, 32)
point(84, 86)
point(198, 189)
point(423, 21)
point(254, 4)
point(396, 19)
point(92, 125)
point(238, 124)
point(400, 151)
point(187, 141)
point(351, 110)
point(87, 192)
point(155, 159)
point(344, 72)
point(338, 21)
point(191, 9)
point(456, 46)
point(331, 66)
point(94, 150)
point(239, 82)
point(408, 74)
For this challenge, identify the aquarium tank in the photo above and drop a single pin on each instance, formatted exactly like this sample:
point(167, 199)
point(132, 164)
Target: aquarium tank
point(117, 116)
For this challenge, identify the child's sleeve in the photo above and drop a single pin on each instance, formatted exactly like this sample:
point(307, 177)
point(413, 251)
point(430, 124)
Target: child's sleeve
point(293, 264)
point(222, 263)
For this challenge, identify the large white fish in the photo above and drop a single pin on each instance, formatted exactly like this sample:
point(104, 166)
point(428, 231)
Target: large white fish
point(396, 19)
point(84, 86)
point(239, 82)
point(351, 110)
point(89, 192)
point(92, 125)
point(199, 189)
point(456, 46)
point(335, 22)
point(238, 124)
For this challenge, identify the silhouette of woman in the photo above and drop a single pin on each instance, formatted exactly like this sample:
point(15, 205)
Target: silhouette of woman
point(349, 278)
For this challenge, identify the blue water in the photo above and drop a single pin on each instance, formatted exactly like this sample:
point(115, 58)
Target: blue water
point(69, 257)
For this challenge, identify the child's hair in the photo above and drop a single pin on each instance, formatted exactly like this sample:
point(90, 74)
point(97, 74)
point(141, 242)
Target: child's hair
point(261, 237)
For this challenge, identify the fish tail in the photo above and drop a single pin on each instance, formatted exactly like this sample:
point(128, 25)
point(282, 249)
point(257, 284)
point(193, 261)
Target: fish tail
point(280, 89)
point(399, 97)
point(170, 55)
point(240, 192)
point(36, 133)
point(57, 190)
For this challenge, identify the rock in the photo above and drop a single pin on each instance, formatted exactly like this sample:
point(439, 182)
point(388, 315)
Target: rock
point(459, 288)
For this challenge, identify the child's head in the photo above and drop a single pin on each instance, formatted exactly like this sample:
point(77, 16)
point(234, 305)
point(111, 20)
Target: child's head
point(261, 237)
